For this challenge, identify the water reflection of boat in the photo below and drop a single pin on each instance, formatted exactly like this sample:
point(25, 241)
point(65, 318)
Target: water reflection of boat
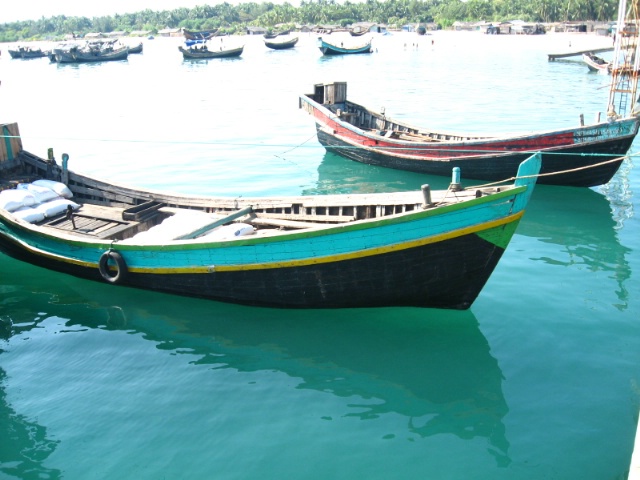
point(337, 174)
point(435, 368)
point(25, 444)
point(581, 223)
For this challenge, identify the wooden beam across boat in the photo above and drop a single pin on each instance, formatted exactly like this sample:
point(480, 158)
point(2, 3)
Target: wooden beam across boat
point(554, 56)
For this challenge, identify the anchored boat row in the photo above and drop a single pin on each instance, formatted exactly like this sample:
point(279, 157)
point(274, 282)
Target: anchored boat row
point(90, 51)
point(193, 48)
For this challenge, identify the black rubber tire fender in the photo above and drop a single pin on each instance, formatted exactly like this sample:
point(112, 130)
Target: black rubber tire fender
point(121, 267)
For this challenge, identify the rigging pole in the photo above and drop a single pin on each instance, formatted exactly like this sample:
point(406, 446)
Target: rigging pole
point(626, 62)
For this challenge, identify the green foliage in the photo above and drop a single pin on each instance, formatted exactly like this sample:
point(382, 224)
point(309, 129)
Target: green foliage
point(235, 18)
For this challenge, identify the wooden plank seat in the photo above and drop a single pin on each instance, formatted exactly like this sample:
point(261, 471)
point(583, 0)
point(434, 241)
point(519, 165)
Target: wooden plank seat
point(94, 220)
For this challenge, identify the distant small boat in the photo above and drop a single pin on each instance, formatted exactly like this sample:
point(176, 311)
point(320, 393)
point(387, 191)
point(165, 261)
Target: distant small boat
point(136, 48)
point(199, 35)
point(358, 30)
point(595, 63)
point(203, 53)
point(281, 44)
point(92, 52)
point(276, 34)
point(330, 49)
point(27, 52)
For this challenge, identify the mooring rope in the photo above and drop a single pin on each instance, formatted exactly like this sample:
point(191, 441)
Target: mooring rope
point(559, 172)
point(303, 143)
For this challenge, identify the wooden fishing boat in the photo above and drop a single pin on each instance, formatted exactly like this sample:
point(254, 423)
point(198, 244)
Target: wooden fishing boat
point(92, 52)
point(359, 30)
point(595, 63)
point(196, 52)
point(589, 155)
point(420, 248)
point(331, 49)
point(136, 48)
point(199, 34)
point(271, 35)
point(27, 52)
point(281, 44)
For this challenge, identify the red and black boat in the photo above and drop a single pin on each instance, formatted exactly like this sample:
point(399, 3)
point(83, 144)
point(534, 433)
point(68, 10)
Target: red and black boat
point(582, 156)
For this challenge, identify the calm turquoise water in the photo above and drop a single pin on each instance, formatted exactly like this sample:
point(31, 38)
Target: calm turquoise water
point(540, 379)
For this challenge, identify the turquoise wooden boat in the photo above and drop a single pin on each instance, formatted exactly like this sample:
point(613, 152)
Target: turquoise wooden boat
point(196, 52)
point(328, 48)
point(418, 248)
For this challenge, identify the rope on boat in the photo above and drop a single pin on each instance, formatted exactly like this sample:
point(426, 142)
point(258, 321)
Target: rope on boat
point(559, 172)
point(280, 156)
point(297, 146)
point(291, 147)
point(499, 182)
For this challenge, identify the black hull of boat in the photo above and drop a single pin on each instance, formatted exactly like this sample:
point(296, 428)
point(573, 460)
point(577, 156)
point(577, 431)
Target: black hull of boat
point(421, 276)
point(602, 162)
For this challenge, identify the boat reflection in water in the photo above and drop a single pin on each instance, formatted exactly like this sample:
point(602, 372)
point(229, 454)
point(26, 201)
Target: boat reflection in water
point(24, 444)
point(431, 367)
point(581, 223)
point(340, 175)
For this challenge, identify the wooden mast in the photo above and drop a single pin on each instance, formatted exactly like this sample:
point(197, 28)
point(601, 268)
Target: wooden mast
point(626, 62)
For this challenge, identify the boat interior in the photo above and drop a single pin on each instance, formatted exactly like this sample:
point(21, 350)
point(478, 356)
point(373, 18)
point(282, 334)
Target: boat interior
point(333, 96)
point(92, 208)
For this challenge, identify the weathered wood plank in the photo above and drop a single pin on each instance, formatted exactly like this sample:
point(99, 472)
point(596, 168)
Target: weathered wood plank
point(307, 218)
point(268, 221)
point(555, 56)
point(3, 148)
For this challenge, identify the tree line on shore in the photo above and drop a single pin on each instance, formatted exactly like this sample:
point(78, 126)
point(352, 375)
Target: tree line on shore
point(236, 18)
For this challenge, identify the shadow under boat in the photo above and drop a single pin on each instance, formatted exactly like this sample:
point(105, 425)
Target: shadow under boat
point(433, 367)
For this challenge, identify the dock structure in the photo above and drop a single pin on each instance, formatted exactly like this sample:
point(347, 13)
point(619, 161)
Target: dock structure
point(556, 56)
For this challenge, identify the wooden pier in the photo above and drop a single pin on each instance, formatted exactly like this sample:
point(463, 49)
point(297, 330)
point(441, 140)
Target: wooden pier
point(555, 56)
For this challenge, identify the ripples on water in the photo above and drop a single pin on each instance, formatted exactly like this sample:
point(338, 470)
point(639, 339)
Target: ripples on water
point(538, 379)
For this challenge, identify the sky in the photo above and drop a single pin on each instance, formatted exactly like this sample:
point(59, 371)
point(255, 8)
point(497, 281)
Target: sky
point(15, 10)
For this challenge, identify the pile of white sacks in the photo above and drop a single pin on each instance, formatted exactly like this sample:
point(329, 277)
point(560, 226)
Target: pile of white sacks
point(33, 202)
